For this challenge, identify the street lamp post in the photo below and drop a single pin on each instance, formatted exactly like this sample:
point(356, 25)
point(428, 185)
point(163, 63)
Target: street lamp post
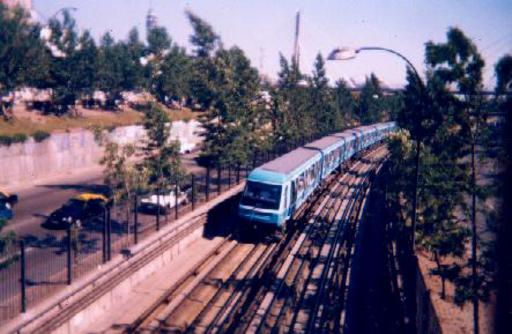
point(347, 54)
point(59, 11)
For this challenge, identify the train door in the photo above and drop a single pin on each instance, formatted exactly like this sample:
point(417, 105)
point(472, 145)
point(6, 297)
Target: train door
point(293, 198)
point(286, 203)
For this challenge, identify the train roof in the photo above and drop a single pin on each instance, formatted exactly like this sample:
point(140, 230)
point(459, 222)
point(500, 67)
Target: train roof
point(323, 143)
point(290, 161)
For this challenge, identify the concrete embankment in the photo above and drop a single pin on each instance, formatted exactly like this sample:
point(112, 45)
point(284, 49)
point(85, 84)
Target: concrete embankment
point(71, 152)
point(81, 304)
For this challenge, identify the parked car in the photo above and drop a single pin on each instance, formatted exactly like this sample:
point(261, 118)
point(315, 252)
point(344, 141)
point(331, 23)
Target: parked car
point(77, 210)
point(6, 204)
point(166, 201)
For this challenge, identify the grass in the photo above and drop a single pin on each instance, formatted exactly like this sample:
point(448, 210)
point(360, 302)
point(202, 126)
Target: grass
point(30, 126)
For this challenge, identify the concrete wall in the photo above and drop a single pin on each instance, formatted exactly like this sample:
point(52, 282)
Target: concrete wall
point(80, 303)
point(68, 152)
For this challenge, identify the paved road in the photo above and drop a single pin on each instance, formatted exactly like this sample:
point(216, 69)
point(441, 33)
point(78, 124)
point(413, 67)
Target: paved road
point(38, 201)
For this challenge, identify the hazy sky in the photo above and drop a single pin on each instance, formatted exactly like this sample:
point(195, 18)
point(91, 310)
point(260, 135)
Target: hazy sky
point(264, 28)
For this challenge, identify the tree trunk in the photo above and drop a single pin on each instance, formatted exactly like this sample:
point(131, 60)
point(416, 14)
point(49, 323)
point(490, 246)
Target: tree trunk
point(441, 274)
point(474, 238)
point(415, 195)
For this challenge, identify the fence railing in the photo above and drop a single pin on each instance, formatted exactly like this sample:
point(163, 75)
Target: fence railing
point(33, 270)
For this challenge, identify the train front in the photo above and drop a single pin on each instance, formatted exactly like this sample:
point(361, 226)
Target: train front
point(260, 205)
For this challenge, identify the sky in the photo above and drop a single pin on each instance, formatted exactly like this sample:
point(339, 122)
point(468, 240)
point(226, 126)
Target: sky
point(265, 28)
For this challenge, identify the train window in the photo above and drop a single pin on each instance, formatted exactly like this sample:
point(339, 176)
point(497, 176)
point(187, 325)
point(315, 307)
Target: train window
point(286, 196)
point(293, 196)
point(262, 195)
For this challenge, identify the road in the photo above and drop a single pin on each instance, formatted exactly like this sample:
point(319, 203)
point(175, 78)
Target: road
point(38, 201)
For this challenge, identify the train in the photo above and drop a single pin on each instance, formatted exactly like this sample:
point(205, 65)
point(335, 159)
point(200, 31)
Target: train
point(274, 190)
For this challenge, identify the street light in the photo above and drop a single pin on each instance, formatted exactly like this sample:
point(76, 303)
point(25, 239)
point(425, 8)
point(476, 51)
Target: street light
point(61, 10)
point(345, 53)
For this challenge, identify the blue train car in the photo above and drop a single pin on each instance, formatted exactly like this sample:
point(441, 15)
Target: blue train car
point(276, 189)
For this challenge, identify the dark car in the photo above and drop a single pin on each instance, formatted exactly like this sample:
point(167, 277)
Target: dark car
point(6, 204)
point(76, 211)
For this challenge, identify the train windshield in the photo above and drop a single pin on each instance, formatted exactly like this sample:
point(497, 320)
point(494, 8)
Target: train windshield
point(262, 195)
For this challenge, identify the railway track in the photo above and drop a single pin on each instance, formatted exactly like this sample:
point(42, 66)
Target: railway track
point(293, 301)
point(238, 278)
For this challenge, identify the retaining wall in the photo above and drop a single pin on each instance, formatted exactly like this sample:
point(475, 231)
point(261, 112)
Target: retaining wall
point(69, 152)
point(96, 293)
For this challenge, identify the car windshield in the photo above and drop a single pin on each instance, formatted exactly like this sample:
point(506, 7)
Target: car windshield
point(72, 208)
point(261, 195)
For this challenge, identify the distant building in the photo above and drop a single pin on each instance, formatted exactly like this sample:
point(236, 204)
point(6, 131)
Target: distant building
point(27, 4)
point(151, 20)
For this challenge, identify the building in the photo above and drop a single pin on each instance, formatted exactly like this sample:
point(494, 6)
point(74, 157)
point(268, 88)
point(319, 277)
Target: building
point(27, 4)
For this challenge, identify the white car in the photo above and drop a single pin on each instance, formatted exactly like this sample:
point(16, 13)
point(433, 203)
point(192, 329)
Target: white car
point(165, 201)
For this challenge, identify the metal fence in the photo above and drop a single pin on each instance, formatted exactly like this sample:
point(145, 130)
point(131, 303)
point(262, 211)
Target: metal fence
point(31, 271)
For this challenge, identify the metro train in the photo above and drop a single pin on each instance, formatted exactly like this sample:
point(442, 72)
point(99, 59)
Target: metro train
point(276, 189)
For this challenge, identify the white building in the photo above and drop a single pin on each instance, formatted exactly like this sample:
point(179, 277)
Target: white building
point(27, 4)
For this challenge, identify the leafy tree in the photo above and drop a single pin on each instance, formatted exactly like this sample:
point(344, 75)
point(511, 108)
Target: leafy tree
point(204, 39)
point(437, 123)
point(134, 71)
point(160, 154)
point(6, 239)
point(86, 64)
point(171, 83)
point(344, 105)
point(293, 121)
point(458, 64)
point(20, 51)
point(67, 51)
point(321, 102)
point(227, 86)
point(370, 101)
point(158, 41)
point(231, 122)
point(112, 58)
point(122, 175)
point(202, 80)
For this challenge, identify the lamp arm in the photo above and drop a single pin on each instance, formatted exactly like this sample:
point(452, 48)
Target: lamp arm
point(373, 48)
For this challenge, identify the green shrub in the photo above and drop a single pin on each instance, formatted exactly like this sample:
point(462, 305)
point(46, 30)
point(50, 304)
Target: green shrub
point(40, 135)
point(13, 139)
point(5, 140)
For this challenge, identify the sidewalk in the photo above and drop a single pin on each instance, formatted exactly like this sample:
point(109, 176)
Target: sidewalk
point(148, 291)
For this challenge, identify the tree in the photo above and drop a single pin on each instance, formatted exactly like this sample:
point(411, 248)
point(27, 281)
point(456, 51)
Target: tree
point(436, 122)
point(204, 39)
point(171, 83)
point(134, 71)
point(321, 102)
point(293, 121)
point(205, 42)
point(160, 155)
point(227, 86)
point(370, 101)
point(63, 51)
point(458, 63)
point(86, 64)
point(122, 175)
point(6, 239)
point(344, 106)
point(231, 122)
point(20, 56)
point(112, 58)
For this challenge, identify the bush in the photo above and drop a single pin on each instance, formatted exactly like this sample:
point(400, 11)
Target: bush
point(13, 139)
point(40, 135)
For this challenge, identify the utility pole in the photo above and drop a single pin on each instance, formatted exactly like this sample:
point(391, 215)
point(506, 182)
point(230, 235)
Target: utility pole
point(296, 46)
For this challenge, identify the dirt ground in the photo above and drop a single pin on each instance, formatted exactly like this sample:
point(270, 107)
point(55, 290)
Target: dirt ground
point(29, 121)
point(454, 319)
